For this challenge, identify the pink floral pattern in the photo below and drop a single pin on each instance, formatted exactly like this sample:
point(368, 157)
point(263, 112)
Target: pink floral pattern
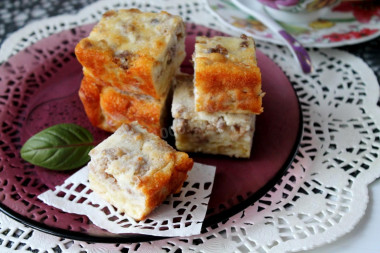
point(360, 22)
point(363, 11)
point(337, 37)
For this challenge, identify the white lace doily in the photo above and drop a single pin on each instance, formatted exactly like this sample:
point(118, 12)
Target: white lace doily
point(180, 214)
point(321, 197)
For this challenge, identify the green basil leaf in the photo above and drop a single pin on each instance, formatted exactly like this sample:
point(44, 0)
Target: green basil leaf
point(60, 147)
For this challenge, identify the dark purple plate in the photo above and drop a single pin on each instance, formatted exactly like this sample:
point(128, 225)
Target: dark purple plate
point(38, 89)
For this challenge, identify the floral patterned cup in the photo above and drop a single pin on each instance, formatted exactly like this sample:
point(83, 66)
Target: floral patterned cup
point(296, 11)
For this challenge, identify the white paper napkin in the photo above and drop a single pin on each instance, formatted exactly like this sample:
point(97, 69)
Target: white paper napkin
point(181, 214)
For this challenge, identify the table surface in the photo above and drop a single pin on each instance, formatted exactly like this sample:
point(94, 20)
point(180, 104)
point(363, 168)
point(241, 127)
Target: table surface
point(364, 238)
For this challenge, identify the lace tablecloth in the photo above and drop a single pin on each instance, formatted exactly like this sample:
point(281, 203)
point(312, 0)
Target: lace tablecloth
point(324, 193)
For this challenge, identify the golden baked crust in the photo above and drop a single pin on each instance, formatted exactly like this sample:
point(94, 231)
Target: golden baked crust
point(134, 51)
point(108, 108)
point(129, 60)
point(227, 78)
point(221, 133)
point(135, 170)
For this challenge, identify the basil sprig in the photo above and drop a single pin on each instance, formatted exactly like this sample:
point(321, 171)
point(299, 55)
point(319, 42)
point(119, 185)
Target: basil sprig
point(60, 147)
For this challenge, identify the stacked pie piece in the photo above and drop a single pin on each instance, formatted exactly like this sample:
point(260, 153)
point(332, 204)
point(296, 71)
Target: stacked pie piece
point(129, 61)
point(214, 112)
